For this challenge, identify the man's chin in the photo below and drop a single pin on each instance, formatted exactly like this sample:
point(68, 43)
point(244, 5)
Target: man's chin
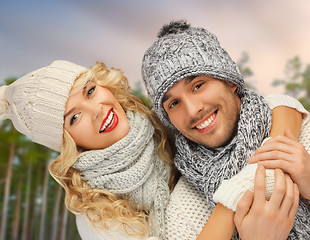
point(213, 146)
point(219, 143)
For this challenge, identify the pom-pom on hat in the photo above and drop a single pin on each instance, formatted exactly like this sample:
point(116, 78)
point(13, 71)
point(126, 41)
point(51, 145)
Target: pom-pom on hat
point(182, 51)
point(36, 102)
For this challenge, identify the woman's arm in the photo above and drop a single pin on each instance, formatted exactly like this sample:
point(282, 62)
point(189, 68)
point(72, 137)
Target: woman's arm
point(285, 118)
point(286, 112)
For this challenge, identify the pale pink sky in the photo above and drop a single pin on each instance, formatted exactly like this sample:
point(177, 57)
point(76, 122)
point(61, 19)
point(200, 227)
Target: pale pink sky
point(33, 33)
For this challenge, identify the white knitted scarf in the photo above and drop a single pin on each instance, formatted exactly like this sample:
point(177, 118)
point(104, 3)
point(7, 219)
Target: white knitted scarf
point(132, 170)
point(207, 168)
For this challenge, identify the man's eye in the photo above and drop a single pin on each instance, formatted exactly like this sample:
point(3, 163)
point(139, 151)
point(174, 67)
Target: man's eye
point(173, 104)
point(74, 118)
point(91, 91)
point(198, 86)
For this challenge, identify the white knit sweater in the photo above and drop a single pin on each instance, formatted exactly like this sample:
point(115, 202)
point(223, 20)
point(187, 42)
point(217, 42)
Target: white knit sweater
point(187, 211)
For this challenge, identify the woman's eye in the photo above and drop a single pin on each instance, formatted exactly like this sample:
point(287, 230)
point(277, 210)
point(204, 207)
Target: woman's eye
point(198, 86)
point(90, 91)
point(74, 118)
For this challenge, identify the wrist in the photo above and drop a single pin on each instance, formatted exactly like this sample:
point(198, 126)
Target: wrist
point(265, 140)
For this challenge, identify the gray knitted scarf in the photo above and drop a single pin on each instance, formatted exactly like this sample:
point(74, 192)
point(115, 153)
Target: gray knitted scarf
point(132, 170)
point(207, 168)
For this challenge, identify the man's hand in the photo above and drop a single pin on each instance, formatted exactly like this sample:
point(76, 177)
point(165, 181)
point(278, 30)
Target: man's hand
point(286, 153)
point(268, 220)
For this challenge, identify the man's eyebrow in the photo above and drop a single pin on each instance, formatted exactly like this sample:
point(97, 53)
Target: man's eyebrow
point(166, 97)
point(187, 81)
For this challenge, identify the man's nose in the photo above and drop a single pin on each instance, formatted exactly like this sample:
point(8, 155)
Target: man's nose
point(193, 106)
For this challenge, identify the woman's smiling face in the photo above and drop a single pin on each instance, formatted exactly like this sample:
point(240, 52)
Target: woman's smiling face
point(94, 118)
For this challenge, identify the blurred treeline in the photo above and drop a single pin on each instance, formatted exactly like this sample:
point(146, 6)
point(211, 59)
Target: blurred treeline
point(32, 203)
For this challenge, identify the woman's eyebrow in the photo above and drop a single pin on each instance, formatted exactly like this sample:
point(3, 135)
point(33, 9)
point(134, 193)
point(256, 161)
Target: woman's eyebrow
point(85, 86)
point(68, 113)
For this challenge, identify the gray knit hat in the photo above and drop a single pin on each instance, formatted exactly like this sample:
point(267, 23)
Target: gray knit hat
point(182, 51)
point(36, 102)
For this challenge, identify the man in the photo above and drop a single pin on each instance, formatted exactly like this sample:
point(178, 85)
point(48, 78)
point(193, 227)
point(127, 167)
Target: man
point(196, 88)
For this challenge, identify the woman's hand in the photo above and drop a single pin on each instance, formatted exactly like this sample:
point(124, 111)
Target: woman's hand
point(268, 220)
point(286, 153)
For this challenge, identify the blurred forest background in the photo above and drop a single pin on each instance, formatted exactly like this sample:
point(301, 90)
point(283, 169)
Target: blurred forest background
point(32, 203)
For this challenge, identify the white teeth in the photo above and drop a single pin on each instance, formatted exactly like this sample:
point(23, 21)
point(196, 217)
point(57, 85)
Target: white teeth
point(207, 122)
point(107, 122)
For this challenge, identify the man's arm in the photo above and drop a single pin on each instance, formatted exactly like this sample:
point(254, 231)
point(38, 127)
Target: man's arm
point(282, 118)
point(220, 225)
point(256, 218)
point(287, 153)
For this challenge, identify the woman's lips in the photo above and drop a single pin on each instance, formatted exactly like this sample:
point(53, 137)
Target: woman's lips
point(109, 122)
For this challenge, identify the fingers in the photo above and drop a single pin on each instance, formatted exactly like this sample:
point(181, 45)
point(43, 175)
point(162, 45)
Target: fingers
point(259, 185)
point(285, 196)
point(288, 200)
point(279, 189)
point(280, 143)
point(243, 207)
point(275, 146)
point(273, 164)
point(288, 133)
point(276, 150)
point(289, 196)
point(295, 204)
point(271, 155)
point(287, 138)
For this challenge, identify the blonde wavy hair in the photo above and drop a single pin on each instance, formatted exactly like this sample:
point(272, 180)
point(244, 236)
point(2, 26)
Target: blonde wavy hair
point(102, 207)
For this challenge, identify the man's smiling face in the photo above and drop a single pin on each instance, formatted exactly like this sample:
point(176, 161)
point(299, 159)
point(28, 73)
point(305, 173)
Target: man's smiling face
point(204, 109)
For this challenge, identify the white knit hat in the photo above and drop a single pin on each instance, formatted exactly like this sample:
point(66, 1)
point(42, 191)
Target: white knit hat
point(36, 102)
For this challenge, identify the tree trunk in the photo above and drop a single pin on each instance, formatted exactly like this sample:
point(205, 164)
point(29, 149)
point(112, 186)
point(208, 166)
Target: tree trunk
point(57, 202)
point(7, 191)
point(36, 207)
point(17, 208)
point(2, 183)
point(44, 203)
point(27, 203)
point(64, 223)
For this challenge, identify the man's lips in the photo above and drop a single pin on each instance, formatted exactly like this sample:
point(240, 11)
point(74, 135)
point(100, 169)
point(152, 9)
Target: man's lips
point(109, 122)
point(207, 123)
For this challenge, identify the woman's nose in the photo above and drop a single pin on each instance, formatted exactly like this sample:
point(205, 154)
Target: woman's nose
point(95, 110)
